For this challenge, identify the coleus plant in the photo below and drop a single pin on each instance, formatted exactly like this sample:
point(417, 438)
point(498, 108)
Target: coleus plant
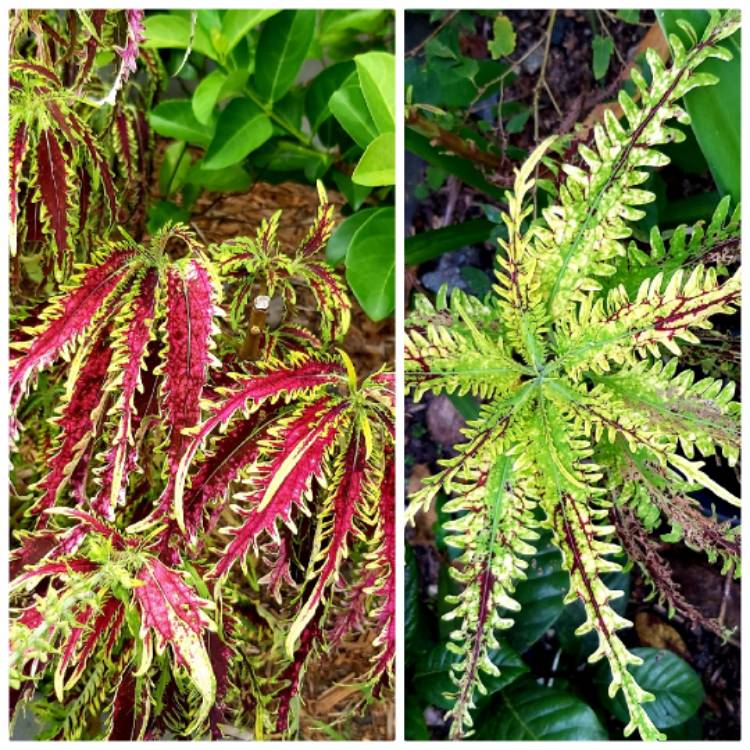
point(78, 141)
point(155, 441)
point(587, 427)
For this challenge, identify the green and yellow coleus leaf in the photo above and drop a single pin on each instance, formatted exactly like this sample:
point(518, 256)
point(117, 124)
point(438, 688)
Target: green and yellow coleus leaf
point(585, 415)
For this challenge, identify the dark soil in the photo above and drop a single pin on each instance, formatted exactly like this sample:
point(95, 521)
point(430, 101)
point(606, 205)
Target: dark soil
point(430, 426)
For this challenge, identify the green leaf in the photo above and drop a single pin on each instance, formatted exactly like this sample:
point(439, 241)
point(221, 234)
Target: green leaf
point(377, 78)
point(237, 23)
point(416, 638)
point(603, 49)
point(232, 179)
point(674, 683)
point(207, 94)
point(169, 31)
point(174, 168)
point(242, 127)
point(160, 212)
point(341, 239)
point(503, 37)
point(282, 49)
point(371, 264)
point(415, 726)
point(540, 596)
point(320, 90)
point(632, 15)
point(174, 118)
point(425, 246)
point(714, 110)
point(355, 194)
point(479, 282)
point(378, 164)
point(528, 711)
point(432, 676)
point(517, 122)
point(349, 108)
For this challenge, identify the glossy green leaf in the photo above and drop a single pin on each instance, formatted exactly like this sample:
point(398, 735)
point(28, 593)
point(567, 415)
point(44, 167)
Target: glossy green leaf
point(529, 711)
point(232, 179)
point(348, 106)
point(371, 264)
point(540, 596)
point(378, 164)
point(416, 641)
point(415, 726)
point(355, 194)
point(425, 246)
point(174, 118)
point(282, 48)
point(320, 90)
point(432, 675)
point(377, 78)
point(675, 685)
point(206, 95)
point(715, 111)
point(242, 127)
point(237, 23)
point(341, 239)
point(174, 168)
point(161, 212)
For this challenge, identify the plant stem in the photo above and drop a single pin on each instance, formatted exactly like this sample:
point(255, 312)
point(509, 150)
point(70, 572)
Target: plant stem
point(278, 119)
point(256, 323)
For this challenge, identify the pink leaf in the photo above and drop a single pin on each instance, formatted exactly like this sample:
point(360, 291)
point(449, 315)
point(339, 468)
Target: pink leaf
point(347, 494)
point(285, 480)
point(253, 391)
point(131, 709)
point(235, 450)
point(132, 345)
point(171, 609)
point(52, 179)
point(17, 153)
point(76, 425)
point(66, 318)
point(189, 326)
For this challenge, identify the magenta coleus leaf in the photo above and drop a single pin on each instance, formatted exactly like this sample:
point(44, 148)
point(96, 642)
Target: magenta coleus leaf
point(95, 628)
point(293, 673)
point(52, 176)
point(190, 311)
point(175, 615)
point(131, 708)
point(286, 480)
point(349, 489)
point(131, 349)
point(19, 147)
point(67, 317)
point(76, 425)
point(384, 563)
point(237, 449)
point(250, 393)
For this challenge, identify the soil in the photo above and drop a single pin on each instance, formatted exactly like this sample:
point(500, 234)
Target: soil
point(432, 424)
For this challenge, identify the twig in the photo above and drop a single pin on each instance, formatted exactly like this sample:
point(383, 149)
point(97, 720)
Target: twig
point(725, 595)
point(499, 79)
point(415, 50)
point(609, 34)
point(541, 80)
